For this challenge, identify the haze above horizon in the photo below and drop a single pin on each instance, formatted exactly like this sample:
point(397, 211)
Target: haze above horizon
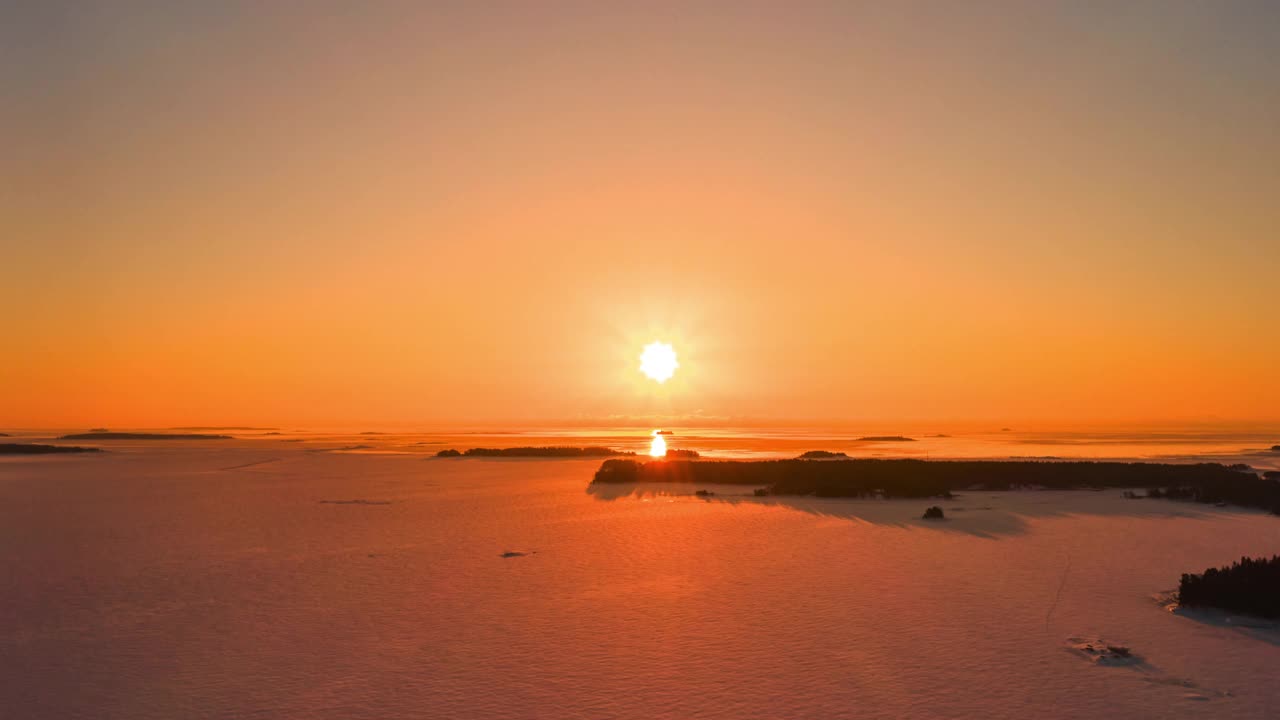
point(325, 213)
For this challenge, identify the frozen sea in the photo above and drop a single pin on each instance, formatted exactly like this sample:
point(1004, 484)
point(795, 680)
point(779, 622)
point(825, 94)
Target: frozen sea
point(327, 575)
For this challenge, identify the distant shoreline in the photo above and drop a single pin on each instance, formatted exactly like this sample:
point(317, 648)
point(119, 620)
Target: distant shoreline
point(143, 436)
point(216, 427)
point(534, 452)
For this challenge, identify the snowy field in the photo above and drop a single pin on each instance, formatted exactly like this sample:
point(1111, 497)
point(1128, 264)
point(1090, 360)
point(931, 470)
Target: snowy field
point(270, 579)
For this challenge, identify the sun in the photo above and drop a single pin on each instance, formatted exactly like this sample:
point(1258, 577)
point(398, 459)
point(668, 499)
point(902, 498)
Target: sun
point(658, 361)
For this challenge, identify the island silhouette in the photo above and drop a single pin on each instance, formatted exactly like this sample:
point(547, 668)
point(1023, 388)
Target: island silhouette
point(912, 478)
point(35, 449)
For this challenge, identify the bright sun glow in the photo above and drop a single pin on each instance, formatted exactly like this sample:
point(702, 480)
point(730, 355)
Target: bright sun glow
point(658, 448)
point(658, 361)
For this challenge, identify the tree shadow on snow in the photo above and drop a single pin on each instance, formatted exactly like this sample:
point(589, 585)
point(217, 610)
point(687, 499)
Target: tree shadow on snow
point(986, 514)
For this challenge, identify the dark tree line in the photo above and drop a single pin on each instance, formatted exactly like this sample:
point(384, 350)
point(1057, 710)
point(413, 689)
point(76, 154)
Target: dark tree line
point(541, 452)
point(558, 452)
point(1249, 586)
point(1204, 482)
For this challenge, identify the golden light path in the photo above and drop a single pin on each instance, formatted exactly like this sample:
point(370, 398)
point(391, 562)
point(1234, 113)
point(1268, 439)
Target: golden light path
point(658, 361)
point(658, 448)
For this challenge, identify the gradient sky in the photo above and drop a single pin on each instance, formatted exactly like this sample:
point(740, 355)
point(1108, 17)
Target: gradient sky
point(474, 212)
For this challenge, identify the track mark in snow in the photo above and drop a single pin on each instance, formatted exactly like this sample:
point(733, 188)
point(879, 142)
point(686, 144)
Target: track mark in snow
point(249, 465)
point(1058, 595)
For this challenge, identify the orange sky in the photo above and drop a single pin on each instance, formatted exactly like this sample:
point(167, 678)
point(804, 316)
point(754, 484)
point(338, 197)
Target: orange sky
point(447, 214)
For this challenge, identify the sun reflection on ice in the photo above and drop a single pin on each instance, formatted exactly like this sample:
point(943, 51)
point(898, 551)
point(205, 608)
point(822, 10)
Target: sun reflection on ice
point(658, 448)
